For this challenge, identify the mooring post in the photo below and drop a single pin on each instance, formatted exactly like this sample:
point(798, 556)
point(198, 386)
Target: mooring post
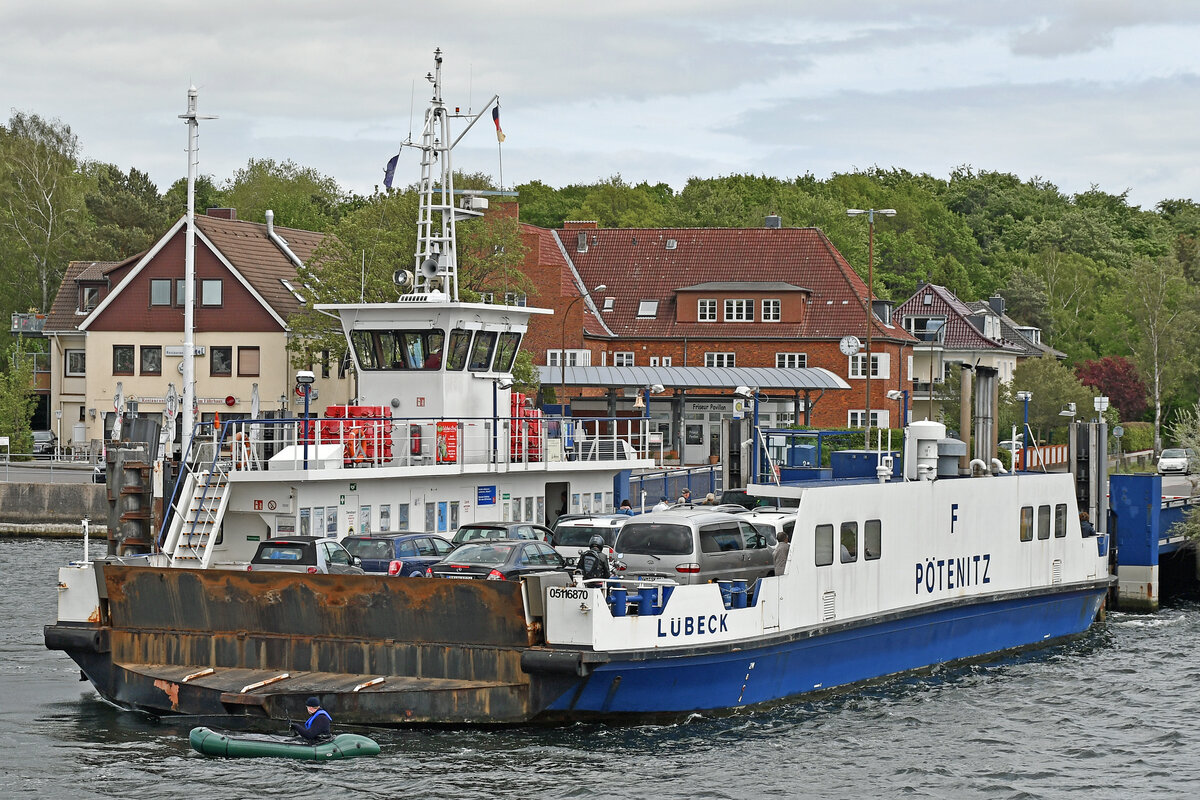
point(1136, 508)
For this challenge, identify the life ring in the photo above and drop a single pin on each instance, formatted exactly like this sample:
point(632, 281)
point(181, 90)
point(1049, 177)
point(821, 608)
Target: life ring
point(358, 451)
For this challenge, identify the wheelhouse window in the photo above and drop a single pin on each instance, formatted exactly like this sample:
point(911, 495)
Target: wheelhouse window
point(481, 351)
point(1060, 521)
point(398, 350)
point(76, 363)
point(122, 359)
point(151, 360)
point(849, 545)
point(706, 310)
point(160, 292)
point(771, 310)
point(248, 362)
point(823, 555)
point(872, 539)
point(211, 292)
point(1027, 524)
point(739, 311)
point(220, 362)
point(460, 347)
point(1043, 529)
point(506, 351)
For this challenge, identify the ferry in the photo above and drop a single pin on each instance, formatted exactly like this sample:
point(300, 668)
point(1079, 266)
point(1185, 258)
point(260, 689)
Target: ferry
point(884, 575)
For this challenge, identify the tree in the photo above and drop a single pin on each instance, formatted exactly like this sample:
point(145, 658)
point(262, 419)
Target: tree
point(127, 213)
point(207, 196)
point(17, 397)
point(40, 201)
point(300, 197)
point(1118, 379)
point(1160, 306)
point(1053, 386)
point(491, 256)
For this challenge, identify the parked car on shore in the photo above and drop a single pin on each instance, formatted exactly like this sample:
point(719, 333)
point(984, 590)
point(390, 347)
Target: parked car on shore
point(404, 554)
point(44, 443)
point(312, 554)
point(498, 560)
point(1177, 460)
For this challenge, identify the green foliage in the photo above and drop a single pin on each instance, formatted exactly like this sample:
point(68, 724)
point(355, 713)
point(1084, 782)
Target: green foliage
point(300, 197)
point(207, 196)
point(17, 397)
point(1138, 436)
point(525, 374)
point(127, 213)
point(1053, 386)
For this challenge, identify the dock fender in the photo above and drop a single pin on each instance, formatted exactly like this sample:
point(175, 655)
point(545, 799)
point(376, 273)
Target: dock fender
point(559, 662)
point(77, 639)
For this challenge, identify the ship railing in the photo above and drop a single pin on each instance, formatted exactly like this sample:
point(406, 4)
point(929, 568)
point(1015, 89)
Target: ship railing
point(521, 442)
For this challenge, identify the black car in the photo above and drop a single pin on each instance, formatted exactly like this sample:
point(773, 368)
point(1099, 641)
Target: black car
point(500, 530)
point(406, 554)
point(498, 560)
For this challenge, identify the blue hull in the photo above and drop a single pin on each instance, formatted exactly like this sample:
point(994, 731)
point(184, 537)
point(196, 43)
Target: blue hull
point(658, 683)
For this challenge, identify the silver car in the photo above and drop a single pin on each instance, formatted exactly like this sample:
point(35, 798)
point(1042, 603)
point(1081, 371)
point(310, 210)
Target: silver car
point(693, 546)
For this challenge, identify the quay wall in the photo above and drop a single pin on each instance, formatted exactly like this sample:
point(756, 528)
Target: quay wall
point(47, 509)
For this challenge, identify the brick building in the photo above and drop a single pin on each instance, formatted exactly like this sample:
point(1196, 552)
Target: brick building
point(759, 297)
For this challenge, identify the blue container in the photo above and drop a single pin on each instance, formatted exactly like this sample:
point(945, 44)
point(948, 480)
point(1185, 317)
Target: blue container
point(726, 594)
point(802, 455)
point(1101, 544)
point(617, 598)
point(739, 594)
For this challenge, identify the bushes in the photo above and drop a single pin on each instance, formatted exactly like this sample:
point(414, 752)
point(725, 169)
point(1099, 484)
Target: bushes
point(1138, 436)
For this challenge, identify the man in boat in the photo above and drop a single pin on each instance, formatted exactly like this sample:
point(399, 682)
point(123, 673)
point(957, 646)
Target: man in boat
point(318, 724)
point(593, 564)
point(781, 552)
point(1085, 525)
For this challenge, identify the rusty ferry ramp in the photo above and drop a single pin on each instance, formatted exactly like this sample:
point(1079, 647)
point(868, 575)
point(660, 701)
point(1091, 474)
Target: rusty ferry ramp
point(377, 650)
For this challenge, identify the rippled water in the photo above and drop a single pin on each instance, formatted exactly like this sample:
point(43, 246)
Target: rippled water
point(1110, 716)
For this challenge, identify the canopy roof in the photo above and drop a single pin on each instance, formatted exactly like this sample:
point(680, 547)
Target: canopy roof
point(694, 377)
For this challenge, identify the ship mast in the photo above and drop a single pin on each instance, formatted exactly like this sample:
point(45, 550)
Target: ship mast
point(436, 259)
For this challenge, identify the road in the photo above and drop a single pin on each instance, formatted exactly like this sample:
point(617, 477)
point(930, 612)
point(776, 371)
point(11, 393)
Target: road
point(45, 471)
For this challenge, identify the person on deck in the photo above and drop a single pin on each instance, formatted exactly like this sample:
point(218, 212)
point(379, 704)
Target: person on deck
point(1085, 525)
point(318, 724)
point(626, 508)
point(662, 504)
point(593, 564)
point(781, 552)
point(686, 497)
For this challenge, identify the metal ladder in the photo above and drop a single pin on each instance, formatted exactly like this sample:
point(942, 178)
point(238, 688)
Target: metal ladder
point(194, 529)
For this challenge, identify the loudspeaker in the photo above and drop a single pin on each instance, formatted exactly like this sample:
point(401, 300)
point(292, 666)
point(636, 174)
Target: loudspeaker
point(429, 267)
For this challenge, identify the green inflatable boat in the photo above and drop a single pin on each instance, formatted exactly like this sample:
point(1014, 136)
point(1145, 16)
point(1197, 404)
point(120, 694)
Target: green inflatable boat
point(344, 745)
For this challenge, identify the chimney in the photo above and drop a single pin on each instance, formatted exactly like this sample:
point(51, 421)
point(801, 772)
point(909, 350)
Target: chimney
point(222, 213)
point(773, 221)
point(997, 303)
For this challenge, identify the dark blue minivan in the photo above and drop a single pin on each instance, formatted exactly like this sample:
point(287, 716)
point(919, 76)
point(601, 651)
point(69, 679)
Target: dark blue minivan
point(404, 554)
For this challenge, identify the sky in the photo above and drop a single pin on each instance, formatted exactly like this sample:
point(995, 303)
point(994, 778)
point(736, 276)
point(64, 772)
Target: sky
point(1076, 92)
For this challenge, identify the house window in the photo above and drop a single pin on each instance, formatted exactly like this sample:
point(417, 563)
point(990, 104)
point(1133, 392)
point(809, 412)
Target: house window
point(487, 297)
point(654, 361)
point(706, 310)
point(210, 292)
point(771, 311)
point(622, 359)
point(609, 302)
point(152, 358)
point(220, 362)
point(324, 363)
point(160, 292)
point(122, 359)
point(89, 296)
point(666, 361)
point(515, 299)
point(739, 311)
point(719, 359)
point(575, 358)
point(288, 285)
point(648, 309)
point(791, 360)
point(879, 365)
point(248, 362)
point(879, 419)
point(76, 361)
point(180, 298)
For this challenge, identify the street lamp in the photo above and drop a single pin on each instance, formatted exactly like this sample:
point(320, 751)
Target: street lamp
point(1025, 397)
point(896, 394)
point(304, 382)
point(498, 384)
point(752, 395)
point(562, 359)
point(870, 212)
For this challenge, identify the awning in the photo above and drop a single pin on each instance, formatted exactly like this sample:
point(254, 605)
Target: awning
point(763, 378)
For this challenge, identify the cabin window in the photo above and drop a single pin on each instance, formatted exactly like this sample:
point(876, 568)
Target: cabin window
point(1060, 521)
point(481, 351)
point(460, 346)
point(1027, 524)
point(122, 359)
point(872, 536)
point(506, 351)
point(849, 548)
point(823, 555)
point(1043, 522)
point(151, 360)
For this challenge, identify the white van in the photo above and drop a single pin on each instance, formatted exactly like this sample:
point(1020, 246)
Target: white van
point(571, 538)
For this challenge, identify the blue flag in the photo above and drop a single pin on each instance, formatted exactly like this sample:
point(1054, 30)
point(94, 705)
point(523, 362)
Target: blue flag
point(389, 172)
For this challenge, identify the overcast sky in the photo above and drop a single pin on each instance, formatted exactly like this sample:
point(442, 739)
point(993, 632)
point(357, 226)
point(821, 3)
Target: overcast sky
point(1078, 93)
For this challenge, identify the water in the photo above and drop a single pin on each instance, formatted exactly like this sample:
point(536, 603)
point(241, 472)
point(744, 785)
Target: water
point(1109, 716)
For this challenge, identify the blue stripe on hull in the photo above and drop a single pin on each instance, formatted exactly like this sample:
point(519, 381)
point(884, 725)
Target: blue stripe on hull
point(731, 679)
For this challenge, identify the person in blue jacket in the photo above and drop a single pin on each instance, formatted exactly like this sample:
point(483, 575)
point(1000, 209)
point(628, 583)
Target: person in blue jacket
point(318, 724)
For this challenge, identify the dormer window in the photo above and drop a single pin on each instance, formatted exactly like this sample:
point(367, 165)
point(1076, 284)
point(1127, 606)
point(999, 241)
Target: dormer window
point(89, 297)
point(771, 310)
point(739, 311)
point(648, 309)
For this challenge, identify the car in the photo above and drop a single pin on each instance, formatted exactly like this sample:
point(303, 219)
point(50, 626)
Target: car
point(44, 443)
point(694, 546)
point(404, 554)
point(498, 560)
point(311, 554)
point(574, 536)
point(501, 530)
point(748, 501)
point(770, 522)
point(99, 475)
point(1177, 459)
